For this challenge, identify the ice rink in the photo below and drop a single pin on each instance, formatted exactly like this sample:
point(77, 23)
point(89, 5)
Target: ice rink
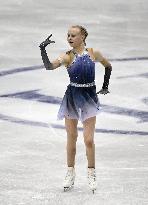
point(33, 142)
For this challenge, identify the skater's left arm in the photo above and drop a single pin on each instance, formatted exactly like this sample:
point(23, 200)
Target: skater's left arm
point(108, 68)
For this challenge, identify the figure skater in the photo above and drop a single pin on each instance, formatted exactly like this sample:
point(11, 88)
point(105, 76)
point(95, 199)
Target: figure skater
point(80, 101)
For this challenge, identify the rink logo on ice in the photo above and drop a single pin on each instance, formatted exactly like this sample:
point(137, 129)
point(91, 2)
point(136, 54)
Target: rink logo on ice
point(34, 95)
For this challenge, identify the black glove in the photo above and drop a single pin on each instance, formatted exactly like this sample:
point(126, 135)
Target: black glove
point(107, 75)
point(46, 42)
point(48, 65)
point(103, 91)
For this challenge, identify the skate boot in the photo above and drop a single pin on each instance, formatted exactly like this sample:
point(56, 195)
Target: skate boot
point(92, 179)
point(69, 179)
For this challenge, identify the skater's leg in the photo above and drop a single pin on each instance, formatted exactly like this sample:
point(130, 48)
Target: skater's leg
point(88, 133)
point(89, 129)
point(72, 134)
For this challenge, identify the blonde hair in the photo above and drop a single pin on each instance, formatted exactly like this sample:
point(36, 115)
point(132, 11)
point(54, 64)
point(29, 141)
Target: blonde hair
point(83, 31)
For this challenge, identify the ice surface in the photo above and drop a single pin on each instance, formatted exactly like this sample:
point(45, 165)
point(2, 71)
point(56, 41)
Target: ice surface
point(33, 142)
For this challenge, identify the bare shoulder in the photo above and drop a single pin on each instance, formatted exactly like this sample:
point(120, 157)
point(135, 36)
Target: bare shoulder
point(63, 59)
point(98, 55)
point(95, 54)
point(91, 53)
point(69, 57)
point(100, 58)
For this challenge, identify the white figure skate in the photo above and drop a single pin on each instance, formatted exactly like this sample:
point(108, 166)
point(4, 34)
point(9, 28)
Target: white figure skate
point(69, 179)
point(92, 179)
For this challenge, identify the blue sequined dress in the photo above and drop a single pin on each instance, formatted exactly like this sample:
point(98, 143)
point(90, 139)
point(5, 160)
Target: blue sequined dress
point(80, 103)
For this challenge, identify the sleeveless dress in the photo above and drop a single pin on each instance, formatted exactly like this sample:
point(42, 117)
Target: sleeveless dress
point(80, 100)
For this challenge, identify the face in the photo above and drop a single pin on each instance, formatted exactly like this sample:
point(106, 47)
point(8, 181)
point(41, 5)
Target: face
point(74, 37)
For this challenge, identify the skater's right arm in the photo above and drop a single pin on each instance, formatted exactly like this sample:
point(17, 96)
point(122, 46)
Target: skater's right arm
point(62, 59)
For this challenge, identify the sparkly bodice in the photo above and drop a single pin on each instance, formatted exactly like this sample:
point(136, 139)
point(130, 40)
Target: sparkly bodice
point(82, 69)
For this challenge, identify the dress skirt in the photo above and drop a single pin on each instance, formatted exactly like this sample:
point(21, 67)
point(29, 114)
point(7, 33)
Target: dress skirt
point(79, 103)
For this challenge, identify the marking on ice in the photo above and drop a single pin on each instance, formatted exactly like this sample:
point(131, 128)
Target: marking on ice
point(36, 67)
point(36, 96)
point(49, 125)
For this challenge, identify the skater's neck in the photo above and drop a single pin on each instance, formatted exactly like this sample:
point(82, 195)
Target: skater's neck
point(79, 50)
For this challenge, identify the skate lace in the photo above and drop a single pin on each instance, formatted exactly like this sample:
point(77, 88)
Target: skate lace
point(68, 175)
point(92, 177)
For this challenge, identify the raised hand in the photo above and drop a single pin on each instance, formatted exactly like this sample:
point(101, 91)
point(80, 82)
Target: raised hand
point(46, 42)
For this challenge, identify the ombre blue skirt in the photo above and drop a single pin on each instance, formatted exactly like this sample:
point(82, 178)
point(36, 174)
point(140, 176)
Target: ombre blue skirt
point(79, 103)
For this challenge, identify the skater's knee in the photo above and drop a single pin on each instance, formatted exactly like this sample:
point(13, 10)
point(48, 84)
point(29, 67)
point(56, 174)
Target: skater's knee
point(89, 142)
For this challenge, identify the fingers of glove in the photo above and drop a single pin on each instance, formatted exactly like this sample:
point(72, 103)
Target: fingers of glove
point(49, 36)
point(52, 41)
point(48, 41)
point(45, 43)
point(104, 92)
point(99, 92)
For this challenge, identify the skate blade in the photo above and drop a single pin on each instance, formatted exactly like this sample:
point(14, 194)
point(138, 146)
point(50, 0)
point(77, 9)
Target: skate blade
point(68, 188)
point(93, 191)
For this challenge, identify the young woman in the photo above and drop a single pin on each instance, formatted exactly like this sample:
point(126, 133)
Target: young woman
point(80, 101)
